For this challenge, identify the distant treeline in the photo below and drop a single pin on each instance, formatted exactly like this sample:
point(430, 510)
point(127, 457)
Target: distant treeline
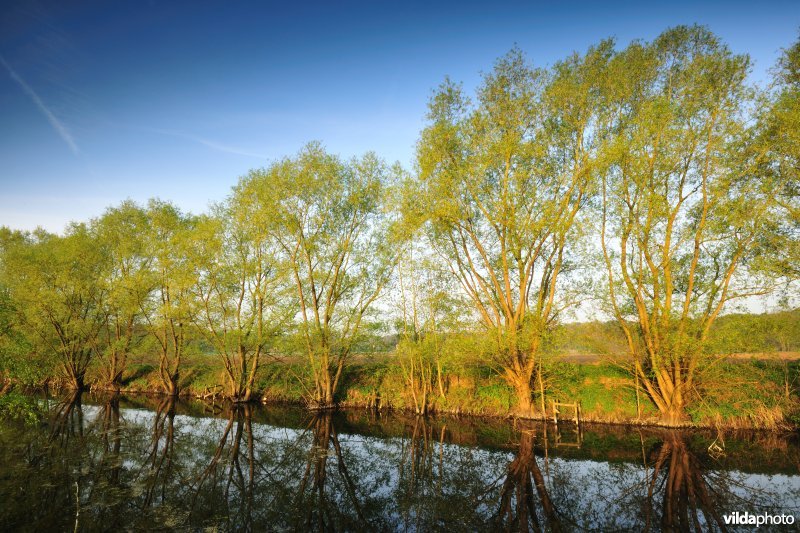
point(734, 333)
point(653, 183)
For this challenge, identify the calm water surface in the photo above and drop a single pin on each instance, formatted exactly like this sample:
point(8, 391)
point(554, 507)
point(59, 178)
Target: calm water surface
point(146, 463)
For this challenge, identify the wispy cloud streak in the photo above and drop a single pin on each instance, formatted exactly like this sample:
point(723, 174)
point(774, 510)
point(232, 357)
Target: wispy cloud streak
point(60, 128)
point(224, 148)
point(210, 144)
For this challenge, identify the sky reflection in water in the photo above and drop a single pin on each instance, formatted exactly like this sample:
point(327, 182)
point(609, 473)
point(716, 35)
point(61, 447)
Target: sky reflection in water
point(150, 463)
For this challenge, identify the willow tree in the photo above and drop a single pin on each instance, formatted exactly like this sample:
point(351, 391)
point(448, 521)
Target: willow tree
point(58, 302)
point(682, 212)
point(127, 281)
point(170, 307)
point(15, 364)
point(501, 184)
point(776, 152)
point(429, 307)
point(240, 289)
point(786, 131)
point(328, 218)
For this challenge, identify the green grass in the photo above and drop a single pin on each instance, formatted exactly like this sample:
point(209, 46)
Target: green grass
point(742, 393)
point(749, 393)
point(605, 391)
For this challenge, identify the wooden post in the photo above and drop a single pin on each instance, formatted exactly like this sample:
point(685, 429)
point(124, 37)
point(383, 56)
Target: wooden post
point(576, 407)
point(546, 458)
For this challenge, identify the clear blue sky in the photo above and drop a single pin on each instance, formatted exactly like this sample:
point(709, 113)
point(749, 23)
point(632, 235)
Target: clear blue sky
point(102, 101)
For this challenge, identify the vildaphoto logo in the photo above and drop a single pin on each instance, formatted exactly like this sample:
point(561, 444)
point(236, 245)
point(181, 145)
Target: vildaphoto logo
point(765, 519)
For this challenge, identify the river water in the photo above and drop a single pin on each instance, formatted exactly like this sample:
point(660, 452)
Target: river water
point(141, 463)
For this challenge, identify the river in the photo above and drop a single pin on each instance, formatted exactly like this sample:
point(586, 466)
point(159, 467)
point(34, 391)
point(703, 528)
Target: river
point(143, 463)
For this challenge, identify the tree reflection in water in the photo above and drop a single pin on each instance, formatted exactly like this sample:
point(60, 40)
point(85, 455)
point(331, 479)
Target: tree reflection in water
point(525, 503)
point(316, 508)
point(224, 490)
point(66, 419)
point(111, 438)
point(686, 497)
point(158, 466)
point(421, 476)
point(679, 486)
point(105, 483)
point(41, 470)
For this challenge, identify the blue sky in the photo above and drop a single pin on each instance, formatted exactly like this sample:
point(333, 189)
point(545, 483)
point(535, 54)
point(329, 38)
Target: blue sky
point(102, 101)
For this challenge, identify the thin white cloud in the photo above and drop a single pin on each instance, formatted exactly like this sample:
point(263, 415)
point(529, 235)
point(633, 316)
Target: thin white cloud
point(225, 148)
point(211, 144)
point(62, 130)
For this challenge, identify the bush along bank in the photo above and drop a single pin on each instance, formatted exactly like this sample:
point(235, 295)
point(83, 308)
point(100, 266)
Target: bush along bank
point(756, 394)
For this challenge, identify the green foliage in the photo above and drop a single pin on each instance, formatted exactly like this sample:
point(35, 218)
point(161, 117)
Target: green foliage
point(685, 207)
point(57, 302)
point(127, 281)
point(241, 289)
point(15, 363)
point(496, 396)
point(15, 406)
point(289, 381)
point(141, 377)
point(734, 333)
point(502, 180)
point(749, 333)
point(776, 155)
point(605, 391)
point(328, 219)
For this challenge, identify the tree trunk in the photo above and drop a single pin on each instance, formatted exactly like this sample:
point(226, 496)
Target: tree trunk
point(76, 381)
point(328, 397)
point(245, 395)
point(172, 384)
point(324, 393)
point(675, 413)
point(524, 396)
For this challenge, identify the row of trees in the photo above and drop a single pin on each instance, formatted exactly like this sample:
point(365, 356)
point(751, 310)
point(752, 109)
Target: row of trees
point(294, 251)
point(654, 179)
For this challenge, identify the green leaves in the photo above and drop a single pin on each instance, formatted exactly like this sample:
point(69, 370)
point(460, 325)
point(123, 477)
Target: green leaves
point(330, 227)
point(684, 205)
point(58, 303)
point(774, 155)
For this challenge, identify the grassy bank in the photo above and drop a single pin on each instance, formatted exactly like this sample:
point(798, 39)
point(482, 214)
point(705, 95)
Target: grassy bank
point(753, 394)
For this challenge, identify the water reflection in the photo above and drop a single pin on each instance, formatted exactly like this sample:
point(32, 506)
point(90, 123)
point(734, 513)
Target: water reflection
point(102, 479)
point(685, 502)
point(66, 419)
point(525, 504)
point(321, 505)
point(156, 470)
point(139, 463)
point(223, 490)
point(421, 475)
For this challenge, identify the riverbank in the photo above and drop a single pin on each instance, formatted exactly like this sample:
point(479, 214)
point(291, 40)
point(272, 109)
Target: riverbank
point(756, 394)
